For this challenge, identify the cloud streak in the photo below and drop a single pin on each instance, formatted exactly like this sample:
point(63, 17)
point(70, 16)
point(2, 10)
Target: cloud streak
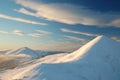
point(69, 14)
point(77, 32)
point(3, 32)
point(40, 33)
point(44, 32)
point(20, 19)
point(24, 11)
point(37, 34)
point(58, 45)
point(18, 32)
point(116, 38)
point(74, 38)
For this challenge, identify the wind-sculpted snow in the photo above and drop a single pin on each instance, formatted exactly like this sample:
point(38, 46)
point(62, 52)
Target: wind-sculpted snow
point(25, 72)
point(99, 59)
point(101, 46)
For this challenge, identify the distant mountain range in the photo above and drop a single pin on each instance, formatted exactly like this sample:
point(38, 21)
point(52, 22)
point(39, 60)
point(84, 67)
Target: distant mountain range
point(33, 54)
point(3, 51)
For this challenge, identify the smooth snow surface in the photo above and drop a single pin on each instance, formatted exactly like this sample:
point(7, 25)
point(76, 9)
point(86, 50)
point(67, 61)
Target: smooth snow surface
point(99, 59)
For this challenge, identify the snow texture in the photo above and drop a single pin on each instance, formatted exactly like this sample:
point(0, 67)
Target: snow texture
point(99, 59)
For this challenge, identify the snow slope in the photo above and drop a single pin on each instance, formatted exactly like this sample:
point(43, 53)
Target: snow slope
point(25, 71)
point(101, 46)
point(11, 61)
point(99, 59)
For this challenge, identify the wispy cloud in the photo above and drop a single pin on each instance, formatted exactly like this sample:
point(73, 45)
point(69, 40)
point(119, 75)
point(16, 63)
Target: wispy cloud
point(37, 35)
point(3, 32)
point(44, 32)
point(24, 11)
point(77, 32)
point(74, 38)
point(18, 32)
point(115, 23)
point(40, 33)
point(58, 45)
point(71, 14)
point(20, 19)
point(116, 38)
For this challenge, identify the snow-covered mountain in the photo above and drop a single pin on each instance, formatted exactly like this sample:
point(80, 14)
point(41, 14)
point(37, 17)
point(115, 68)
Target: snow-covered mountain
point(33, 54)
point(3, 51)
point(99, 59)
point(25, 50)
point(101, 47)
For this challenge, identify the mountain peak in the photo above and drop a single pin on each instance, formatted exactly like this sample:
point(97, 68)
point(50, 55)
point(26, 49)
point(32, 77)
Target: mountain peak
point(103, 37)
point(101, 45)
point(24, 48)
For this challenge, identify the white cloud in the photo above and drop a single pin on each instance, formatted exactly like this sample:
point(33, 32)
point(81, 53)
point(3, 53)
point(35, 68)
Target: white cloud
point(58, 45)
point(18, 32)
point(115, 23)
point(37, 35)
point(77, 32)
point(24, 11)
point(69, 14)
point(44, 32)
point(116, 38)
point(74, 38)
point(3, 32)
point(20, 19)
point(40, 33)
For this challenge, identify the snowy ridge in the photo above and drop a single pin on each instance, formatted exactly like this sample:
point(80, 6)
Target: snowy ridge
point(99, 59)
point(99, 46)
point(27, 71)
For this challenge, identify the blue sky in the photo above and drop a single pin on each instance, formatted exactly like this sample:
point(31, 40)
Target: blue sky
point(57, 24)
